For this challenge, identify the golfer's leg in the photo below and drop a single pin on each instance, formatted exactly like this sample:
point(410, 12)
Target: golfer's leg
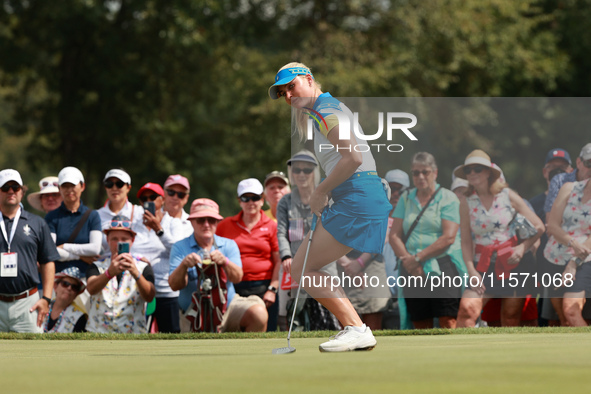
point(324, 249)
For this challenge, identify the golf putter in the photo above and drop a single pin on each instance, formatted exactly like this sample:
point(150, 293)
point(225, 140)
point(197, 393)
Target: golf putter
point(289, 349)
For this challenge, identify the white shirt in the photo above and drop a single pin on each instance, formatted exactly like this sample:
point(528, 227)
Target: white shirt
point(175, 229)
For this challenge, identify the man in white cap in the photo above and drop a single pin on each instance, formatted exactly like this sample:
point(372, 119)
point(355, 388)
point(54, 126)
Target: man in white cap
point(25, 241)
point(170, 225)
point(242, 313)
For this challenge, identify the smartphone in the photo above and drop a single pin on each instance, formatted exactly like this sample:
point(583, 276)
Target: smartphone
point(122, 247)
point(150, 207)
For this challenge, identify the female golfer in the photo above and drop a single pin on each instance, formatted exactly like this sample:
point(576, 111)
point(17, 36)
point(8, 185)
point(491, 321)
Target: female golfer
point(358, 217)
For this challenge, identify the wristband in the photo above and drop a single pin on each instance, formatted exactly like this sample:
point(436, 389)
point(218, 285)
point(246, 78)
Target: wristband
point(138, 277)
point(227, 262)
point(46, 299)
point(108, 275)
point(416, 256)
point(285, 258)
point(361, 262)
point(570, 242)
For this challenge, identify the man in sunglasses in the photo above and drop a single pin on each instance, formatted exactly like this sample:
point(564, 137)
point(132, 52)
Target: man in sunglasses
point(242, 313)
point(157, 235)
point(119, 285)
point(25, 240)
point(582, 172)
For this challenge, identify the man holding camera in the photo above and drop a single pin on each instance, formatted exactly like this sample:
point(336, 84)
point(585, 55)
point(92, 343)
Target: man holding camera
point(119, 285)
point(159, 232)
point(243, 313)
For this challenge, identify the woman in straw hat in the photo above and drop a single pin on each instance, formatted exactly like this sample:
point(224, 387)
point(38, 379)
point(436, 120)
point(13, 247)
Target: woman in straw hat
point(48, 197)
point(489, 245)
point(358, 217)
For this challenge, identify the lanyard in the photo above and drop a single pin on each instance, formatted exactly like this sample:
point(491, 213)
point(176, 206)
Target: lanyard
point(13, 230)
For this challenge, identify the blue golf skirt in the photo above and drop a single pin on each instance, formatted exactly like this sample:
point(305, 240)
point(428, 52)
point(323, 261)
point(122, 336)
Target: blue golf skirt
point(358, 217)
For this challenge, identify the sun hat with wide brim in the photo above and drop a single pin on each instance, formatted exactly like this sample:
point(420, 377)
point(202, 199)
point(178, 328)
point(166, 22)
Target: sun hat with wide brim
point(47, 185)
point(479, 157)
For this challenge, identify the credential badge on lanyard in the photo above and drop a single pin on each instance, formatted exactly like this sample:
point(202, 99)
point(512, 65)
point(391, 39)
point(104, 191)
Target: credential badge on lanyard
point(9, 261)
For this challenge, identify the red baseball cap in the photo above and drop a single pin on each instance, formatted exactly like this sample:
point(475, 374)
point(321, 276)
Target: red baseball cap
point(156, 188)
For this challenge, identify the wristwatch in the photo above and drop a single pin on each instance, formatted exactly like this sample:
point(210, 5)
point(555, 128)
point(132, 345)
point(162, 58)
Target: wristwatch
point(579, 261)
point(46, 299)
point(272, 288)
point(160, 232)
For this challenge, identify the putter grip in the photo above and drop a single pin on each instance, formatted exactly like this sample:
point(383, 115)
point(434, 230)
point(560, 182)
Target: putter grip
point(314, 219)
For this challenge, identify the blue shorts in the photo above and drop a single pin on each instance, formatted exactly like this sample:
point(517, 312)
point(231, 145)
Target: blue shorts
point(358, 217)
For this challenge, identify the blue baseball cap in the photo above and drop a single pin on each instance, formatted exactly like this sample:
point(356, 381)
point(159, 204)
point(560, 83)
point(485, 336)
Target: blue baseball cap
point(286, 76)
point(558, 153)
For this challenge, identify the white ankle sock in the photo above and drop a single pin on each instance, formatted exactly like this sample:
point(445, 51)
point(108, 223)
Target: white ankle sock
point(359, 329)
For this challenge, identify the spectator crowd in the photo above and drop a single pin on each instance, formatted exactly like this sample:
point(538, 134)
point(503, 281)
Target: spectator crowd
point(151, 262)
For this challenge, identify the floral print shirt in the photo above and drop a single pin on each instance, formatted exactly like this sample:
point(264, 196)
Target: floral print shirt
point(119, 307)
point(576, 221)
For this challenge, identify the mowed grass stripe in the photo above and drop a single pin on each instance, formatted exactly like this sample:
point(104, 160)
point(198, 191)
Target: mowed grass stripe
point(540, 362)
point(295, 334)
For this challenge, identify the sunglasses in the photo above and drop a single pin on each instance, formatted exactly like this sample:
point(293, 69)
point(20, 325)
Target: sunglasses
point(120, 223)
point(151, 197)
point(67, 285)
point(110, 184)
point(180, 195)
point(250, 198)
point(587, 163)
point(306, 171)
point(202, 221)
point(397, 189)
point(477, 169)
point(15, 188)
point(45, 184)
point(425, 173)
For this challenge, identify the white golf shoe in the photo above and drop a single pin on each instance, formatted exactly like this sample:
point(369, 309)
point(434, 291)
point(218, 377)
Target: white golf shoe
point(350, 339)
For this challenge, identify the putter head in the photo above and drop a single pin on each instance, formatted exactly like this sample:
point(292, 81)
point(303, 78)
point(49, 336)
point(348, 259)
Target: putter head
point(284, 350)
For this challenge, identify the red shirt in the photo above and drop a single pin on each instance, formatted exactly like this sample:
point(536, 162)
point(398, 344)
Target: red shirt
point(255, 245)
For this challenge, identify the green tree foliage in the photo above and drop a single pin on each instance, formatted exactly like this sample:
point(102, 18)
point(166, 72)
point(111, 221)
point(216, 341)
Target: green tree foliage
point(179, 86)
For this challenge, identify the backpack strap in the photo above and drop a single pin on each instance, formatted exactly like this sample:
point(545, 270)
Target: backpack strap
point(79, 226)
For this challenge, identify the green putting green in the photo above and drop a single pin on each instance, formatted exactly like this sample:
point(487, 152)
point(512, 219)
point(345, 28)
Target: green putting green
point(505, 362)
